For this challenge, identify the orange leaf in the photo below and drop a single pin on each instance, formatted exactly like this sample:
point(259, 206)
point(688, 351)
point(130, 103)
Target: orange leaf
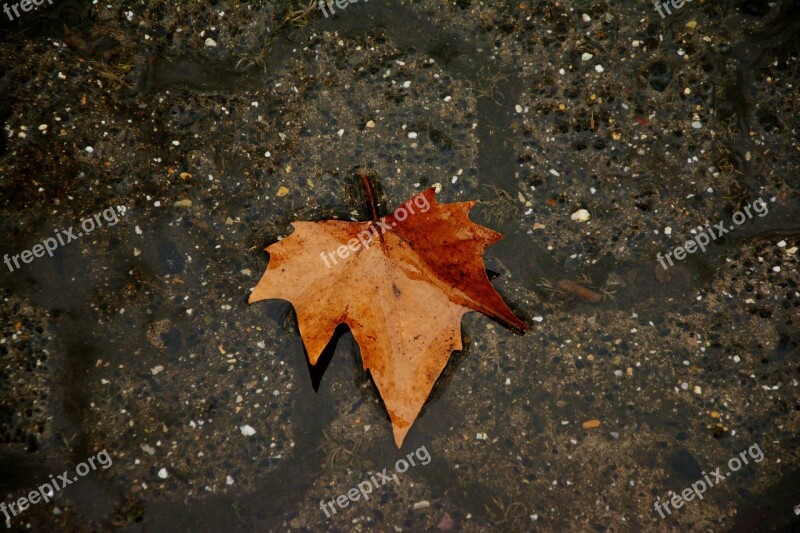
point(401, 283)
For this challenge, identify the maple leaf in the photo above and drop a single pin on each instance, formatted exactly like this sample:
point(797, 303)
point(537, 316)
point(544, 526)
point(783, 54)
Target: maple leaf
point(400, 284)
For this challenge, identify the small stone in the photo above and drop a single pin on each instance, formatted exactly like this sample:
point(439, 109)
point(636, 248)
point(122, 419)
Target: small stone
point(210, 42)
point(163, 474)
point(714, 414)
point(591, 424)
point(697, 124)
point(182, 203)
point(228, 480)
point(697, 389)
point(736, 358)
point(791, 251)
point(537, 225)
point(446, 523)
point(614, 434)
point(586, 18)
point(406, 84)
point(156, 369)
point(782, 244)
point(247, 431)
point(581, 215)
point(282, 191)
point(586, 56)
point(89, 149)
point(424, 504)
point(370, 124)
point(149, 450)
point(599, 68)
point(692, 24)
point(668, 230)
point(412, 135)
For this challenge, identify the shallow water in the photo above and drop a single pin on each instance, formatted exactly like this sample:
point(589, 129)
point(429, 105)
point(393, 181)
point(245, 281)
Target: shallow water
point(137, 338)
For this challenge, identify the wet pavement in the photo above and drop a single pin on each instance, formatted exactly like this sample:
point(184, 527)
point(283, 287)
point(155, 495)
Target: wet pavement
point(597, 137)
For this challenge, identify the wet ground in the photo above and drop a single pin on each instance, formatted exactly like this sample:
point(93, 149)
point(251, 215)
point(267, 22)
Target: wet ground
point(213, 126)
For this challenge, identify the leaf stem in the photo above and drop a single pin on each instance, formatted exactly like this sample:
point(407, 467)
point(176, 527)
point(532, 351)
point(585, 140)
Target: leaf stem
point(370, 196)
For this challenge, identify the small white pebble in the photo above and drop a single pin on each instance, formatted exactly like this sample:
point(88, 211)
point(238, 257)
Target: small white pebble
point(697, 389)
point(228, 480)
point(586, 17)
point(518, 108)
point(247, 431)
point(581, 215)
point(406, 84)
point(776, 269)
point(586, 56)
point(697, 125)
point(412, 135)
point(163, 473)
point(210, 42)
point(599, 68)
point(736, 358)
point(668, 230)
point(340, 132)
point(782, 244)
point(89, 149)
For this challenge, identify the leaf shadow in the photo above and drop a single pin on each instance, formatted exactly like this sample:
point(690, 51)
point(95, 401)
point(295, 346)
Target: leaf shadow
point(317, 371)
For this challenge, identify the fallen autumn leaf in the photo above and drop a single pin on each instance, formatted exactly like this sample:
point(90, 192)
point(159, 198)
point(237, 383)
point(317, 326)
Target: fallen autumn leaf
point(402, 297)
